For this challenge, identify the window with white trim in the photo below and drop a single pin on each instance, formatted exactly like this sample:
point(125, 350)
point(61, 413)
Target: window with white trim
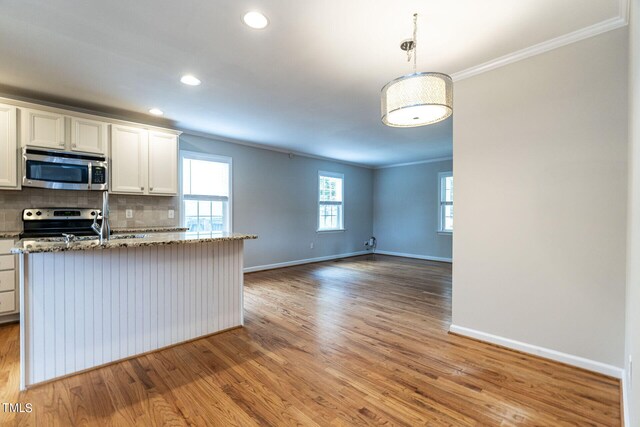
point(206, 192)
point(446, 202)
point(330, 201)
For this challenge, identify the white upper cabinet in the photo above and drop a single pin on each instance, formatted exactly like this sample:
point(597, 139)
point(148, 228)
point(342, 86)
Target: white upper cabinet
point(163, 163)
point(89, 136)
point(8, 147)
point(128, 159)
point(143, 162)
point(43, 129)
point(142, 159)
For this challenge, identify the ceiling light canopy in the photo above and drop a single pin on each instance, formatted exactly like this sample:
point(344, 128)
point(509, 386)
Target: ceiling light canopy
point(255, 20)
point(156, 111)
point(190, 80)
point(416, 99)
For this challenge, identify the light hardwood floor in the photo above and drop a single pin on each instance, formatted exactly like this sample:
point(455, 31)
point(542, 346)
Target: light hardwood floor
point(351, 342)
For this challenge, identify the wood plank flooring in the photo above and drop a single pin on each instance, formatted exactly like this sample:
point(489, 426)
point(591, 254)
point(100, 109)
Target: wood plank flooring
point(360, 341)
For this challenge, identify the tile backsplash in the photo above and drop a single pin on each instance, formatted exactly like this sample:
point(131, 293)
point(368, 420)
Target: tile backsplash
point(148, 211)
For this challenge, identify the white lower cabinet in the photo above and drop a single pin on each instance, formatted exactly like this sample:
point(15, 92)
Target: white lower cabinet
point(7, 262)
point(8, 282)
point(7, 302)
point(7, 279)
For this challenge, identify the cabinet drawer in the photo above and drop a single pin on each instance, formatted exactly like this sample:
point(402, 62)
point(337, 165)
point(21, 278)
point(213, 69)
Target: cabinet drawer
point(5, 246)
point(7, 280)
point(7, 262)
point(7, 301)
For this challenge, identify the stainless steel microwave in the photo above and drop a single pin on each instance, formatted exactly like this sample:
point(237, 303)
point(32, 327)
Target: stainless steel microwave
point(61, 170)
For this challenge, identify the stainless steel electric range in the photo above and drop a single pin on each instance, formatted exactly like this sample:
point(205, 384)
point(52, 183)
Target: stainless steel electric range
point(58, 222)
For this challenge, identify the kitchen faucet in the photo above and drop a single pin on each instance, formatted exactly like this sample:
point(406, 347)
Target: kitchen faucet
point(103, 230)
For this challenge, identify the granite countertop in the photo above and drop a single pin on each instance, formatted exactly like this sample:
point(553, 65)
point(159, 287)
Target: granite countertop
point(27, 246)
point(14, 234)
point(9, 234)
point(149, 230)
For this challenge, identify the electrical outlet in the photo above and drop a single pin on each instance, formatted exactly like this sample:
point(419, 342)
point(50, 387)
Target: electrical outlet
point(311, 245)
point(128, 213)
point(171, 214)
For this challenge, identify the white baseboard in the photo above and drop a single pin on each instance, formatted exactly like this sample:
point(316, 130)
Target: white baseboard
point(626, 416)
point(569, 359)
point(302, 261)
point(405, 255)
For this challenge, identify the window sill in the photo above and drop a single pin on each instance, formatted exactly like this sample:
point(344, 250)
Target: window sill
point(333, 230)
point(445, 233)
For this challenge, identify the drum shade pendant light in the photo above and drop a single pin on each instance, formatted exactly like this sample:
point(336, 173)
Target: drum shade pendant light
point(416, 99)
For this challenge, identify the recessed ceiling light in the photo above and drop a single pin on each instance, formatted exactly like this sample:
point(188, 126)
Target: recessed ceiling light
point(156, 111)
point(190, 80)
point(255, 20)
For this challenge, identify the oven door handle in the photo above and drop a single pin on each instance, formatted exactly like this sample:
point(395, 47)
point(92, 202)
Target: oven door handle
point(89, 176)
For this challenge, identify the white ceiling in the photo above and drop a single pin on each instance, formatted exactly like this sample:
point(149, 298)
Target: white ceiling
point(309, 83)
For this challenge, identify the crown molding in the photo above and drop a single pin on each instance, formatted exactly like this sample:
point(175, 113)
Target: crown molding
point(420, 162)
point(593, 30)
point(276, 149)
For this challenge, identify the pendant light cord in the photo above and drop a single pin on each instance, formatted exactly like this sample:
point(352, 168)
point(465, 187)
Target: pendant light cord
point(415, 42)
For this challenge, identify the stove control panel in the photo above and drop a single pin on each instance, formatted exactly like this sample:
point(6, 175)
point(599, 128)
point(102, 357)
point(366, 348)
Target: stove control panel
point(57, 214)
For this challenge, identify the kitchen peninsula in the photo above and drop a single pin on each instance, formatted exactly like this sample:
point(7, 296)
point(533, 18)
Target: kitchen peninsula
point(84, 304)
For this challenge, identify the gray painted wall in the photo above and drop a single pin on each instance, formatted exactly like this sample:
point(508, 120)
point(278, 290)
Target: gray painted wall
point(405, 210)
point(632, 394)
point(540, 160)
point(277, 197)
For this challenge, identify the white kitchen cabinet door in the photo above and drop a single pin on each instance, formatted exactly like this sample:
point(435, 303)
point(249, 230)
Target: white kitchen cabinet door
point(7, 279)
point(8, 282)
point(8, 147)
point(42, 129)
point(89, 136)
point(7, 262)
point(128, 159)
point(163, 163)
point(7, 302)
